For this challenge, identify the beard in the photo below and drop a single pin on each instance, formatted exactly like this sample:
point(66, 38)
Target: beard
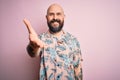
point(55, 29)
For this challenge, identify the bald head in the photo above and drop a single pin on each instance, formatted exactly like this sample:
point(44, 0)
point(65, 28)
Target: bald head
point(55, 7)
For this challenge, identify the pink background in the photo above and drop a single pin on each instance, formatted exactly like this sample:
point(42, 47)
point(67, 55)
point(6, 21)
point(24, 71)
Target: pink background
point(96, 24)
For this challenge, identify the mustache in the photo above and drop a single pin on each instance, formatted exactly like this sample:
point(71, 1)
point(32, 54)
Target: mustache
point(55, 20)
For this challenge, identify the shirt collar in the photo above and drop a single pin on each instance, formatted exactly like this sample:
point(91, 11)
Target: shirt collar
point(52, 36)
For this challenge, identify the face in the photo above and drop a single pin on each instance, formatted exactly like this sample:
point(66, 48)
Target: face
point(55, 18)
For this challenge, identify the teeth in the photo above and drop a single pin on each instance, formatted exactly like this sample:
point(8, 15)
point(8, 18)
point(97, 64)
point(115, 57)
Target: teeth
point(55, 22)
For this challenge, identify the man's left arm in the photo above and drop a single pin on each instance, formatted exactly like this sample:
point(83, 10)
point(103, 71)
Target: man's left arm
point(77, 62)
point(78, 68)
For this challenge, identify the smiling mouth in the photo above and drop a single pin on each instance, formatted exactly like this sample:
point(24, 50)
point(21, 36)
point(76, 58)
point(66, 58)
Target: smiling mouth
point(55, 24)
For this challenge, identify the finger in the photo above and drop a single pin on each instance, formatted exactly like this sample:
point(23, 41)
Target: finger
point(28, 25)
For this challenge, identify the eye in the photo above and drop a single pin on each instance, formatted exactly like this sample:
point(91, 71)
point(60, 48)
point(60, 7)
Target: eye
point(51, 14)
point(59, 14)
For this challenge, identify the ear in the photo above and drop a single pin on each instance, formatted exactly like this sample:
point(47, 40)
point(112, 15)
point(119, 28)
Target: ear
point(46, 16)
point(64, 15)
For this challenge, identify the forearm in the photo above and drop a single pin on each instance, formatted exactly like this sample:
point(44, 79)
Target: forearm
point(78, 73)
point(33, 51)
point(78, 65)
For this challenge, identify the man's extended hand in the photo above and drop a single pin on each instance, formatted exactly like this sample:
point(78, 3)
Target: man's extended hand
point(33, 37)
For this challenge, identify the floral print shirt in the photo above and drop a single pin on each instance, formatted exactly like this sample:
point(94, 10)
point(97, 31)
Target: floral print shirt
point(61, 58)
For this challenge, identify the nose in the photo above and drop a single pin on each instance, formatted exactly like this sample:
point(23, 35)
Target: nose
point(55, 17)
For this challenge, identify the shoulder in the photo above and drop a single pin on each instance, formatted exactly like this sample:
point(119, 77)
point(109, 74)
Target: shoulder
point(70, 36)
point(43, 35)
point(73, 39)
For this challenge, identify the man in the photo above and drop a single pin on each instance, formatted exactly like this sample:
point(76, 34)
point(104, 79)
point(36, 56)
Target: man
point(59, 51)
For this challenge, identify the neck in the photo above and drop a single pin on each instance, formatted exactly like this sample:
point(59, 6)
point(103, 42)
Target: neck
point(58, 34)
